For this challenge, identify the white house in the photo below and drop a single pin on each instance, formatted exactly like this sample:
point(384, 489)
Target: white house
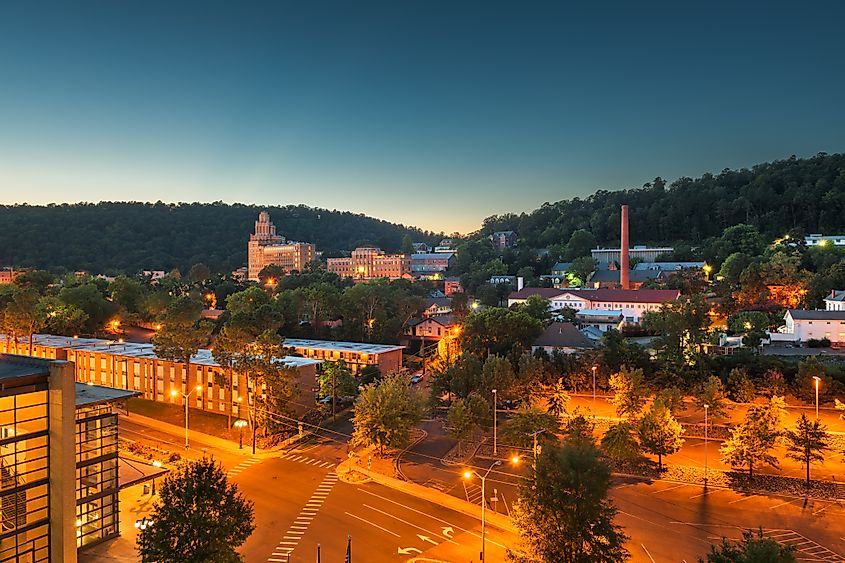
point(802, 326)
point(631, 303)
point(835, 301)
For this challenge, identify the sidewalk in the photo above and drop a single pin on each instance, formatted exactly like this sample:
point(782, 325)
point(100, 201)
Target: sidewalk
point(493, 519)
point(193, 435)
point(134, 505)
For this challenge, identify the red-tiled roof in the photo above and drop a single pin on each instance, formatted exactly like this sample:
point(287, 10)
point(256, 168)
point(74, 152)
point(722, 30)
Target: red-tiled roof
point(544, 292)
point(626, 295)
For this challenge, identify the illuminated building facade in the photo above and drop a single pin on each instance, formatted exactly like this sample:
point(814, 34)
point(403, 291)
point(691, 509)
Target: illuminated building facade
point(370, 262)
point(267, 248)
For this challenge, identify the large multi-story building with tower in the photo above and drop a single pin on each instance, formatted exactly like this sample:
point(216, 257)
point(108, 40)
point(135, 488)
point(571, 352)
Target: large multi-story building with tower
point(268, 248)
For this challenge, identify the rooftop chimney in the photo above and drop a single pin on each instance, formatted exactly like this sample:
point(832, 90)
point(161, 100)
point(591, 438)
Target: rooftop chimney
point(624, 267)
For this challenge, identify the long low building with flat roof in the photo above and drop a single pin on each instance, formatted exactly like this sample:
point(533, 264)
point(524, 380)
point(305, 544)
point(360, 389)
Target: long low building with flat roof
point(136, 367)
point(357, 355)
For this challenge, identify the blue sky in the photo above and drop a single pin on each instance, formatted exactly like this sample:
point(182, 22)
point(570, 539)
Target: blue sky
point(433, 113)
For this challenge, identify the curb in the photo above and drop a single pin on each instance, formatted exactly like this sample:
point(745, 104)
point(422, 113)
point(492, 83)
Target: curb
point(493, 519)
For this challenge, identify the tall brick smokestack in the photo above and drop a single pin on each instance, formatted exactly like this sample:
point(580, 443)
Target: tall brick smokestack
point(624, 267)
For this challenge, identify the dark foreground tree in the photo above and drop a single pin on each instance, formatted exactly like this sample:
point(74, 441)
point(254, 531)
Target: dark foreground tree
point(753, 548)
point(198, 517)
point(563, 514)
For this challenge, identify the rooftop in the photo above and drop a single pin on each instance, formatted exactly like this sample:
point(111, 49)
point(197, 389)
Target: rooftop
point(544, 292)
point(801, 314)
point(204, 356)
point(668, 266)
point(359, 347)
point(639, 276)
point(87, 395)
point(19, 371)
point(836, 295)
point(563, 335)
point(598, 313)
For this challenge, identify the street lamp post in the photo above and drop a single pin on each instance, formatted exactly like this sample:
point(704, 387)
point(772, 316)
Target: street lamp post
point(495, 422)
point(467, 475)
point(817, 380)
point(534, 437)
point(594, 387)
point(186, 396)
point(239, 424)
point(706, 408)
point(157, 465)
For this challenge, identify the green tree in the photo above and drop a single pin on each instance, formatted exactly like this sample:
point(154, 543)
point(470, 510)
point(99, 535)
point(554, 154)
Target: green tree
point(182, 333)
point(582, 268)
point(128, 295)
point(580, 244)
point(740, 387)
point(804, 384)
point(563, 512)
point(753, 548)
point(466, 416)
point(628, 392)
point(558, 399)
point(385, 413)
point(807, 442)
point(199, 516)
point(659, 432)
point(66, 320)
point(337, 381)
point(672, 397)
point(526, 421)
point(537, 308)
point(498, 331)
point(407, 245)
point(90, 299)
point(199, 273)
point(496, 373)
point(619, 442)
point(712, 393)
point(681, 324)
point(24, 316)
point(752, 440)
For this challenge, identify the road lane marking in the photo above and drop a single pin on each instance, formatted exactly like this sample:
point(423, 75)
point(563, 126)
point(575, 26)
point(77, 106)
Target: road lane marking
point(785, 503)
point(743, 498)
point(372, 524)
point(669, 489)
point(705, 493)
point(432, 517)
point(647, 553)
point(410, 524)
point(300, 525)
point(244, 465)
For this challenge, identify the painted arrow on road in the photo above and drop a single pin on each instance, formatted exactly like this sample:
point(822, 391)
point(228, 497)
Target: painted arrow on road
point(407, 550)
point(448, 531)
point(426, 538)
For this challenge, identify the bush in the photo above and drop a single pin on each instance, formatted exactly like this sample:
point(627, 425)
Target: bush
point(818, 343)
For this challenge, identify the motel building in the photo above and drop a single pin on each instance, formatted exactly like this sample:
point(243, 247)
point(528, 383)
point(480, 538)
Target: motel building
point(136, 367)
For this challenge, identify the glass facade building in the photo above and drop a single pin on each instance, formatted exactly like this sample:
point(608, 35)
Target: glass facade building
point(96, 474)
point(25, 472)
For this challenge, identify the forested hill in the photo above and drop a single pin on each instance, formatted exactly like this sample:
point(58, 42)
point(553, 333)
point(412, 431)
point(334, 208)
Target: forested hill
point(803, 194)
point(129, 237)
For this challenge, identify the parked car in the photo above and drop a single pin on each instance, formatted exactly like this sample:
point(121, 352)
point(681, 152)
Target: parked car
point(416, 379)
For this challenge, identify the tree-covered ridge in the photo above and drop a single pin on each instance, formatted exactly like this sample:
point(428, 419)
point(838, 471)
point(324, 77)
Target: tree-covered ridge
point(805, 194)
point(114, 237)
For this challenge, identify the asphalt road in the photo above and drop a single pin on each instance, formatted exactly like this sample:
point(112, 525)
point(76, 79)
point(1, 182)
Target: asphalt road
point(300, 503)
